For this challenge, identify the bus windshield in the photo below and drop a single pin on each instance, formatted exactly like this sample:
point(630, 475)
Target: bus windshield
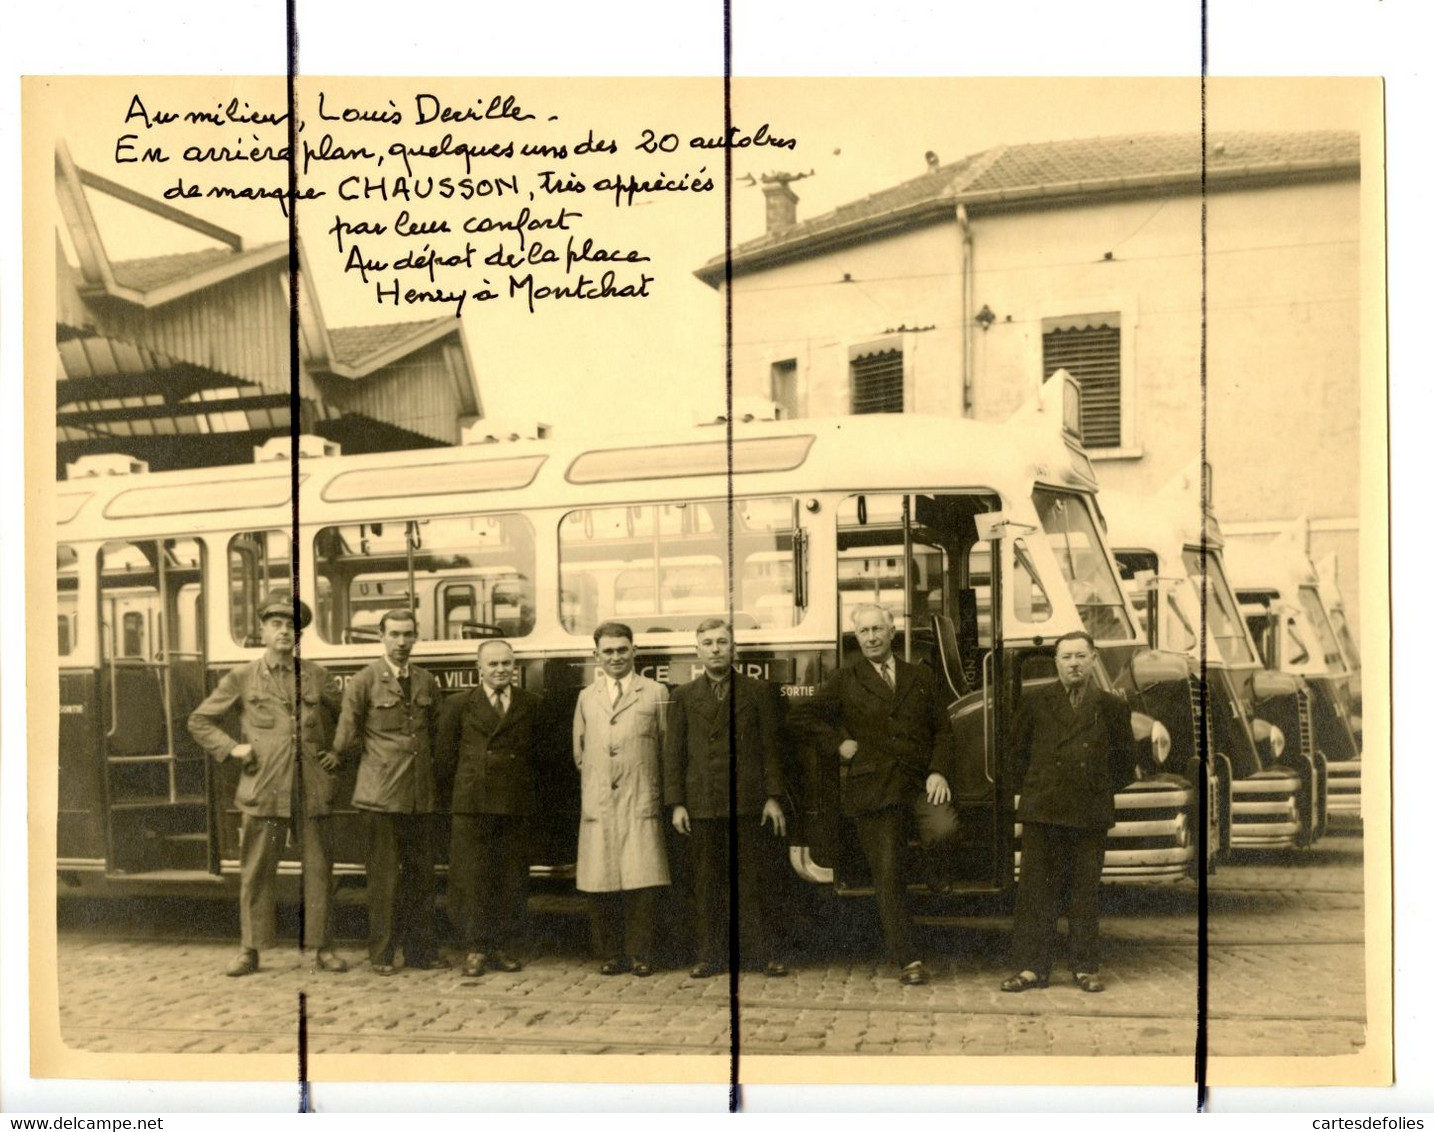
point(1314, 612)
point(1080, 550)
point(1346, 637)
point(1221, 612)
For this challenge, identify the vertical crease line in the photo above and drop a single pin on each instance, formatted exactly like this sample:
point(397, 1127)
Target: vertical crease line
point(296, 817)
point(734, 965)
point(1202, 943)
point(304, 1097)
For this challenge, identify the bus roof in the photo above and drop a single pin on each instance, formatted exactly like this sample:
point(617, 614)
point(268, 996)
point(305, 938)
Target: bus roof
point(859, 453)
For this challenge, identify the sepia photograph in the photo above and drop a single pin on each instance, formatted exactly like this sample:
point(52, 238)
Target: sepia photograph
point(716, 582)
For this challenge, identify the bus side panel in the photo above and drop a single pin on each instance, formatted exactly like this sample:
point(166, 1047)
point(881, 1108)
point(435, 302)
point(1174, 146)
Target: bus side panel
point(81, 827)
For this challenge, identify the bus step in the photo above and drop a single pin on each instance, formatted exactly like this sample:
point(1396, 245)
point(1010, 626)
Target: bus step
point(187, 876)
point(157, 803)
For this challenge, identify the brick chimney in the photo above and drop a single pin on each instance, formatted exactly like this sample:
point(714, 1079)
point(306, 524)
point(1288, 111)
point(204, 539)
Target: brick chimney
point(781, 207)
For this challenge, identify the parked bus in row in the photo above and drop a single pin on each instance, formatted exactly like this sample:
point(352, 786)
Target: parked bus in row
point(981, 539)
point(1257, 724)
point(1279, 593)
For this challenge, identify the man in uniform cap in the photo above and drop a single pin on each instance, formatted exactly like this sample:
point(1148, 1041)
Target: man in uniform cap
point(285, 710)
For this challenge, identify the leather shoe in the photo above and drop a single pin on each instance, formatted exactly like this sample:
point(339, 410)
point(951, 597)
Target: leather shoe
point(775, 970)
point(615, 967)
point(474, 965)
point(704, 970)
point(384, 969)
point(913, 974)
point(245, 963)
point(641, 970)
point(1026, 980)
point(1090, 983)
point(326, 960)
point(435, 963)
point(505, 962)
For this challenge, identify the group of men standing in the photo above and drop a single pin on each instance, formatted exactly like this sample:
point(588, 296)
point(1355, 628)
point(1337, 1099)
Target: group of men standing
point(706, 759)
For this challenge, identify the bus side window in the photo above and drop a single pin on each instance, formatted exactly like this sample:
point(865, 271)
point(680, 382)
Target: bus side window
point(663, 567)
point(472, 576)
point(132, 634)
point(259, 561)
point(67, 593)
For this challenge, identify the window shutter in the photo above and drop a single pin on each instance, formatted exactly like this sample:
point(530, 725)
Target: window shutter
point(1089, 350)
point(877, 381)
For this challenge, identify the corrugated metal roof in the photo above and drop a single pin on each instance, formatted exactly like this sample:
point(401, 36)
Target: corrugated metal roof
point(1041, 170)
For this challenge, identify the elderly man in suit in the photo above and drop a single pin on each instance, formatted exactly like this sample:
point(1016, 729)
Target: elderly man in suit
point(1073, 749)
point(485, 750)
point(884, 722)
point(724, 741)
point(287, 781)
point(392, 708)
point(618, 728)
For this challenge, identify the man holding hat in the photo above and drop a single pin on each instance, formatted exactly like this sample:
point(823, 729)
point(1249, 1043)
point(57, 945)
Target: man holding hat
point(287, 780)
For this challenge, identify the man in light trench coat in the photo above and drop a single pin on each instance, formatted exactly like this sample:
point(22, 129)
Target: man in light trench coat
point(618, 732)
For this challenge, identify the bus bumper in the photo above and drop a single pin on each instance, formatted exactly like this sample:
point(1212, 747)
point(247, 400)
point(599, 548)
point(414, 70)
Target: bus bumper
point(1345, 795)
point(1155, 835)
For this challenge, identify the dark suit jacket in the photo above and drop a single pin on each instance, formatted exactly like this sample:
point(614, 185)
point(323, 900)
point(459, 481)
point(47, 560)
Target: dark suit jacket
point(488, 760)
point(902, 736)
point(1070, 763)
point(698, 757)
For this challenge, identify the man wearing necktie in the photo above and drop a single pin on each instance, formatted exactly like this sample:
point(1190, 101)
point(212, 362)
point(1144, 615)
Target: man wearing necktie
point(485, 750)
point(618, 729)
point(885, 725)
point(1073, 749)
point(726, 726)
point(392, 708)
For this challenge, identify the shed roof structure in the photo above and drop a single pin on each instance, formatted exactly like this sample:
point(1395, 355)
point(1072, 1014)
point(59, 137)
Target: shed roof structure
point(186, 359)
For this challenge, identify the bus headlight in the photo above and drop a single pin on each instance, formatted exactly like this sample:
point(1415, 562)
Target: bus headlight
point(1159, 742)
point(1266, 732)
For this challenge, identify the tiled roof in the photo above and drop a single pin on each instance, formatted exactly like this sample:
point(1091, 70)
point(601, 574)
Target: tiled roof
point(156, 271)
point(1103, 160)
point(352, 344)
point(1042, 170)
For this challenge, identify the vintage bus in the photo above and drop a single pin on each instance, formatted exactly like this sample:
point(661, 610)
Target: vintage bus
point(1279, 593)
point(981, 539)
point(1257, 723)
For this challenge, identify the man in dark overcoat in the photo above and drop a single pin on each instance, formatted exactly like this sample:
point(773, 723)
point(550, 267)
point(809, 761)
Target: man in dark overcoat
point(391, 708)
point(485, 749)
point(1073, 749)
point(887, 726)
point(286, 782)
point(724, 725)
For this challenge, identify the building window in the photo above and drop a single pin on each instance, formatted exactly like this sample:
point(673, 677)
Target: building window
point(1088, 348)
point(784, 388)
point(878, 377)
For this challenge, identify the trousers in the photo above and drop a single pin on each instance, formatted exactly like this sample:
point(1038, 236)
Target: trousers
point(400, 848)
point(488, 881)
point(261, 844)
point(1060, 869)
point(625, 923)
point(759, 896)
point(883, 841)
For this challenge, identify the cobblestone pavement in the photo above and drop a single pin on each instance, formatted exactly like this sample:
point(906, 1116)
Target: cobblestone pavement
point(1285, 961)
